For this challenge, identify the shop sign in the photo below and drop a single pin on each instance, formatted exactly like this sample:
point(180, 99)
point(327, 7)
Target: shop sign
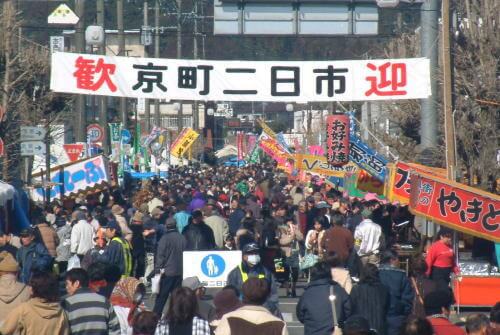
point(398, 183)
point(337, 139)
point(456, 206)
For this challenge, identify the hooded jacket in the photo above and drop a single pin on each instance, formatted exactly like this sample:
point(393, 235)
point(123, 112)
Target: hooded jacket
point(36, 317)
point(33, 257)
point(12, 294)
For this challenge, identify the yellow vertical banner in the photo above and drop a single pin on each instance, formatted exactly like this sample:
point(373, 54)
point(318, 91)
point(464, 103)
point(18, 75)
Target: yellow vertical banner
point(183, 142)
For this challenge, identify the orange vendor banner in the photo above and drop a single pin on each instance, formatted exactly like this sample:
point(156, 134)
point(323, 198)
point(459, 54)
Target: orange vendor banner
point(456, 206)
point(398, 183)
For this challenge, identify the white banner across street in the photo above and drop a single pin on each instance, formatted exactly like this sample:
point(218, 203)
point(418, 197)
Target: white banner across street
point(208, 80)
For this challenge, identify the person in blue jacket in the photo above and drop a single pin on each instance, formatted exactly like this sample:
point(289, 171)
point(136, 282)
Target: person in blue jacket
point(401, 294)
point(32, 256)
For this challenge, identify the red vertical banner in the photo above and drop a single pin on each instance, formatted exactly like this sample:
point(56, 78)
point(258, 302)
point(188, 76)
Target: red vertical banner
point(337, 139)
point(239, 141)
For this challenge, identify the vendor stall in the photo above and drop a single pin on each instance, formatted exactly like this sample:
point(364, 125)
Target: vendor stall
point(474, 214)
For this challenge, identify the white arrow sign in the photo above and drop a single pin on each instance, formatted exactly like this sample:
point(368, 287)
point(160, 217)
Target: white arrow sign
point(32, 148)
point(32, 133)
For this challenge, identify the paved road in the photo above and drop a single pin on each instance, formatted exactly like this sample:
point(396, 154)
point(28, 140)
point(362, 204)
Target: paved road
point(288, 305)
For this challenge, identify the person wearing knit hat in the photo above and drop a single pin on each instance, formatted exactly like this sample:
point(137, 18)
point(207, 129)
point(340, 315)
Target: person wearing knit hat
point(12, 292)
point(367, 239)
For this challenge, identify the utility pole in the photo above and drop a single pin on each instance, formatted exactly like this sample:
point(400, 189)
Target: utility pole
point(157, 55)
point(121, 52)
point(429, 16)
point(103, 108)
point(147, 110)
point(179, 55)
point(449, 126)
point(195, 110)
point(80, 121)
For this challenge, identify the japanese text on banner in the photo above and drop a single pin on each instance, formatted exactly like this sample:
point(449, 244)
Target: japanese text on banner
point(297, 81)
point(183, 142)
point(456, 205)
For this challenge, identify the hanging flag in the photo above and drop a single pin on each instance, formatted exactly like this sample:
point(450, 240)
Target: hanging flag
point(337, 139)
point(367, 158)
point(115, 132)
point(239, 142)
point(251, 142)
point(73, 150)
point(182, 143)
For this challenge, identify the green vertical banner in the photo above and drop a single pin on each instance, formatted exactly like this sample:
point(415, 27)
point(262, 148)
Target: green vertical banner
point(115, 132)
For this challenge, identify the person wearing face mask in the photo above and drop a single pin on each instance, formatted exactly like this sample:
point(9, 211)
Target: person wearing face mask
point(251, 267)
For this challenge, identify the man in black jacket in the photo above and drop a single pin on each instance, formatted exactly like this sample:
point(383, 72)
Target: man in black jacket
point(314, 308)
point(400, 291)
point(199, 236)
point(117, 251)
point(169, 263)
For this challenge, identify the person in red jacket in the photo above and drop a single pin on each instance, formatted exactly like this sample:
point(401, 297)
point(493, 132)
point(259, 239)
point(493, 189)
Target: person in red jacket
point(437, 309)
point(441, 260)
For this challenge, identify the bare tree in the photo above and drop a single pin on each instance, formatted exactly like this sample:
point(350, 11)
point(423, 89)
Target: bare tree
point(26, 98)
point(477, 101)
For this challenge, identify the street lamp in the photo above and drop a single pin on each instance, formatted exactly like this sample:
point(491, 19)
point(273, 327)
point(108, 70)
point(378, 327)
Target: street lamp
point(210, 111)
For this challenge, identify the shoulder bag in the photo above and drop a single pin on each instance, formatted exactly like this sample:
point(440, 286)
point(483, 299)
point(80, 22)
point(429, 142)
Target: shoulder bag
point(337, 330)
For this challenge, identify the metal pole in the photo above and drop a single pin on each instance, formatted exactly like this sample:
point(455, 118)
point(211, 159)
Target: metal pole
point(80, 120)
point(429, 15)
point(449, 129)
point(179, 55)
point(103, 108)
point(121, 52)
point(195, 111)
point(147, 111)
point(157, 55)
point(47, 160)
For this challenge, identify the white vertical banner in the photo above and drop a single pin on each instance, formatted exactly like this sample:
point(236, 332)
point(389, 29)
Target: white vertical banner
point(141, 105)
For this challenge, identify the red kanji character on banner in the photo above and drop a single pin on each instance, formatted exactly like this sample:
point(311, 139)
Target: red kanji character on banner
point(87, 68)
point(397, 79)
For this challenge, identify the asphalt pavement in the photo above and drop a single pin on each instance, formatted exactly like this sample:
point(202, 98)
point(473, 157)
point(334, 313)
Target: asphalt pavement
point(288, 306)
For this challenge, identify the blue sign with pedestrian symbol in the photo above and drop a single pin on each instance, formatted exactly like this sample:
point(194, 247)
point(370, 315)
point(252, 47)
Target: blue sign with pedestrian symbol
point(126, 136)
point(213, 265)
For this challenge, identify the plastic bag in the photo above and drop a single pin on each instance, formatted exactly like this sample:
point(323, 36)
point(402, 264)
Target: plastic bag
point(155, 284)
point(73, 262)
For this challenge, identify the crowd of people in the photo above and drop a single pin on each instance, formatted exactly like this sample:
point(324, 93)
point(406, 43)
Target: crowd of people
point(85, 265)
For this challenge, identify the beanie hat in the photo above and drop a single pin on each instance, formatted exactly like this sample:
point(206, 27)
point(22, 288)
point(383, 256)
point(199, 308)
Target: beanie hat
point(7, 262)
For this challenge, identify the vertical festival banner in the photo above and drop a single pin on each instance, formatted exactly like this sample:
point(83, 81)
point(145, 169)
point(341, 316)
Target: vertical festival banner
point(337, 139)
point(239, 143)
